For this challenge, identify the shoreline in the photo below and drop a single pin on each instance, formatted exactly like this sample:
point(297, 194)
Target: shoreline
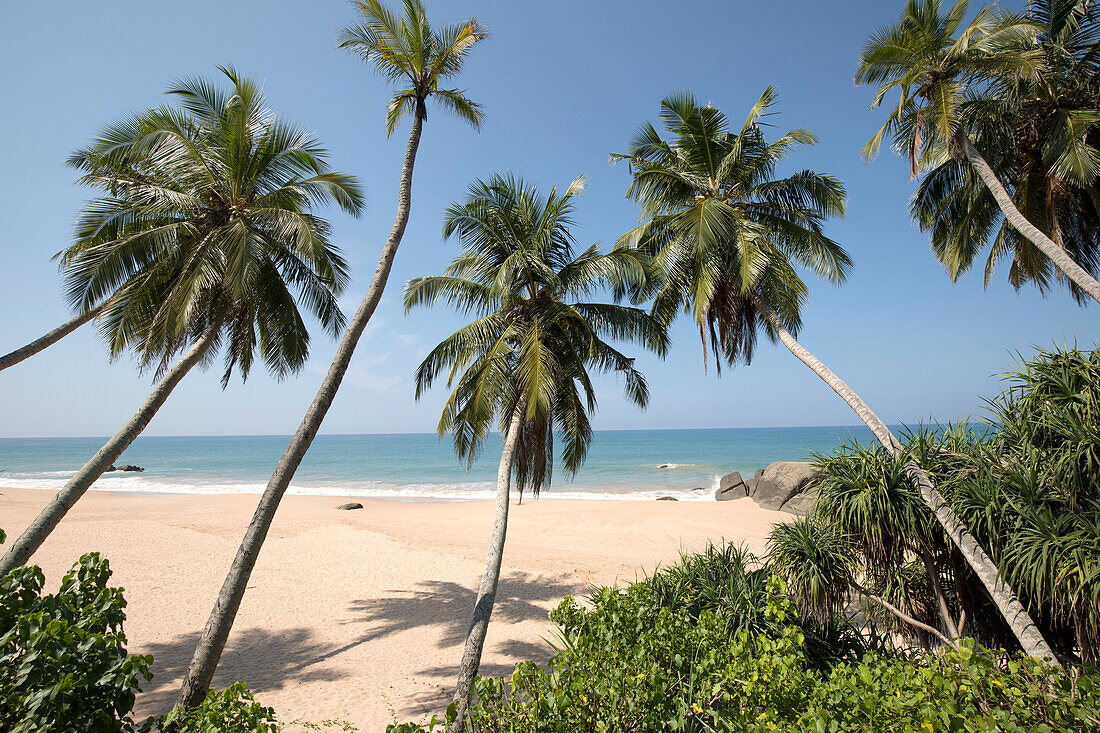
point(350, 614)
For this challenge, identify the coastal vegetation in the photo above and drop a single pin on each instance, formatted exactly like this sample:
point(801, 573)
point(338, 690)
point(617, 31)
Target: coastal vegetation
point(947, 579)
point(716, 644)
point(525, 362)
point(723, 233)
point(1000, 113)
point(1026, 488)
point(202, 236)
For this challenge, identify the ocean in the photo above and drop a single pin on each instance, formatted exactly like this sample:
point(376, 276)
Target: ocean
point(622, 464)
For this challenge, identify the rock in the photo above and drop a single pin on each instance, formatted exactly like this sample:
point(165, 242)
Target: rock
point(667, 498)
point(780, 482)
point(664, 465)
point(801, 503)
point(128, 467)
point(112, 468)
point(731, 486)
point(349, 507)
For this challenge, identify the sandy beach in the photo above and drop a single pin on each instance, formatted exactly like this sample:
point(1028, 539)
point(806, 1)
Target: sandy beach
point(360, 615)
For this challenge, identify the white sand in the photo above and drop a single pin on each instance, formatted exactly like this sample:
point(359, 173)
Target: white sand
point(361, 615)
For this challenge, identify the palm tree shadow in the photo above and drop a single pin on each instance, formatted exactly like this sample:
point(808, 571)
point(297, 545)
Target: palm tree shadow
point(273, 659)
point(520, 597)
point(267, 660)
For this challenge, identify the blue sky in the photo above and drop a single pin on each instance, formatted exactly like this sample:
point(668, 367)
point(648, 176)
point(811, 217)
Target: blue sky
point(563, 84)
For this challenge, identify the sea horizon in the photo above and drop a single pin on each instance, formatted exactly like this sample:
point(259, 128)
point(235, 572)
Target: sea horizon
point(636, 463)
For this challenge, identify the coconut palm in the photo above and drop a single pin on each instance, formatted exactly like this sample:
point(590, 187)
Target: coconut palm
point(725, 231)
point(1039, 134)
point(525, 362)
point(938, 64)
point(49, 339)
point(408, 50)
point(203, 236)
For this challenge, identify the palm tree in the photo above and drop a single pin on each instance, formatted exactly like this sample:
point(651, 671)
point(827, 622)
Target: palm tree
point(405, 49)
point(39, 344)
point(938, 65)
point(527, 357)
point(725, 231)
point(204, 233)
point(1039, 135)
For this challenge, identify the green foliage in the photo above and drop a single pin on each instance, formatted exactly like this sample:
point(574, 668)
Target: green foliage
point(407, 49)
point(63, 661)
point(1027, 490)
point(232, 710)
point(537, 338)
point(1023, 88)
point(206, 219)
point(628, 664)
point(723, 230)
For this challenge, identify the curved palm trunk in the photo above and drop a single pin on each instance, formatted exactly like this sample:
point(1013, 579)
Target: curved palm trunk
point(35, 534)
point(49, 339)
point(487, 592)
point(214, 635)
point(1046, 245)
point(1023, 627)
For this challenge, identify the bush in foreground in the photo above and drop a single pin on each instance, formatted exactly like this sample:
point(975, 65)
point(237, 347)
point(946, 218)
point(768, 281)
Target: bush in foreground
point(628, 664)
point(63, 660)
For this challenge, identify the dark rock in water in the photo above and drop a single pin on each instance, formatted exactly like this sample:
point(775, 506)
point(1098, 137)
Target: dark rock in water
point(664, 465)
point(667, 498)
point(112, 468)
point(349, 507)
point(128, 467)
point(731, 486)
point(780, 482)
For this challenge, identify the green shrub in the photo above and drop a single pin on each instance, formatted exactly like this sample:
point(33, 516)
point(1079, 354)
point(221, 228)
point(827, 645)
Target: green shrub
point(627, 664)
point(232, 710)
point(63, 661)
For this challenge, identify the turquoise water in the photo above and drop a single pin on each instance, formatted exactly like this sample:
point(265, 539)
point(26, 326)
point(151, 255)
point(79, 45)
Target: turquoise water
point(621, 464)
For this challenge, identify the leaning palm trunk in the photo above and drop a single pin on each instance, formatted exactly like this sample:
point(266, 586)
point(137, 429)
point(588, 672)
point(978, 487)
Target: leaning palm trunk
point(34, 535)
point(1046, 245)
point(49, 339)
point(487, 592)
point(1022, 625)
point(214, 635)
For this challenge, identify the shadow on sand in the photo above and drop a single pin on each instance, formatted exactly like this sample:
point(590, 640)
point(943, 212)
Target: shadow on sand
point(271, 660)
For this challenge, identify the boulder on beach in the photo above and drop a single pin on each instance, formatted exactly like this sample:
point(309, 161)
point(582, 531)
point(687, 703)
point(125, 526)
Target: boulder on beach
point(780, 482)
point(667, 498)
point(731, 486)
point(801, 503)
point(349, 507)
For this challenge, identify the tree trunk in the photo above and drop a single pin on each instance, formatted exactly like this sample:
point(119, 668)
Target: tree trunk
point(50, 338)
point(487, 592)
point(1046, 245)
point(1021, 624)
point(903, 616)
point(214, 635)
point(33, 536)
point(937, 590)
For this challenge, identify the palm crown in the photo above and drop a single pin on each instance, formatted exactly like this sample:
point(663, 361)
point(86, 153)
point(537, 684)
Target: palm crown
point(407, 49)
point(535, 341)
point(936, 63)
point(1025, 90)
point(206, 222)
point(722, 228)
